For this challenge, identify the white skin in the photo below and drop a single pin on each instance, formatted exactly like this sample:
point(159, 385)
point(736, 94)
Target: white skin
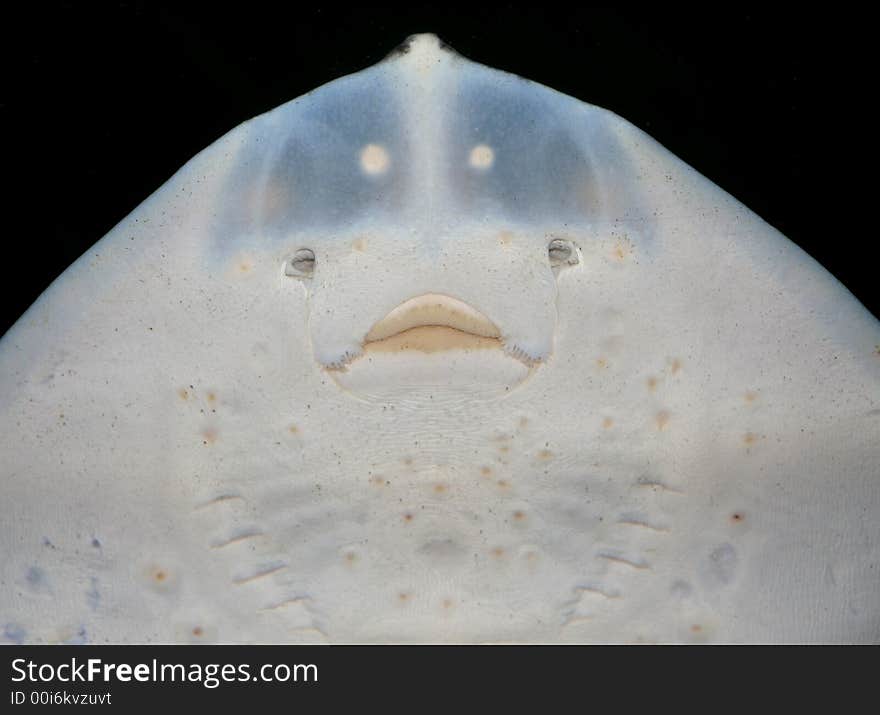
point(673, 436)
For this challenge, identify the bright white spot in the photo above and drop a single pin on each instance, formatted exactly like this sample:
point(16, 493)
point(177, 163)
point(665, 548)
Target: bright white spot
point(481, 157)
point(374, 159)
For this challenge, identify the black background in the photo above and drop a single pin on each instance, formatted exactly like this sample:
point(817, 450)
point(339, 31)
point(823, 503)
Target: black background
point(102, 102)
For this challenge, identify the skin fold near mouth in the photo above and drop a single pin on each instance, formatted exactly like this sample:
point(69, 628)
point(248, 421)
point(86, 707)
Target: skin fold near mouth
point(431, 323)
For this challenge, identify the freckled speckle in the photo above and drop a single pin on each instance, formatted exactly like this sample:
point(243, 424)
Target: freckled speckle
point(622, 250)
point(750, 438)
point(160, 578)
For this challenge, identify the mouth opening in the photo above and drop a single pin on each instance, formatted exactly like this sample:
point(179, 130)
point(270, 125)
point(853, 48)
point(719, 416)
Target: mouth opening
point(432, 323)
point(433, 349)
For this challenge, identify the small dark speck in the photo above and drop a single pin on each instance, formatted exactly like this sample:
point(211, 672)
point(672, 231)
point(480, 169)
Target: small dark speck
point(79, 639)
point(96, 543)
point(93, 596)
point(35, 576)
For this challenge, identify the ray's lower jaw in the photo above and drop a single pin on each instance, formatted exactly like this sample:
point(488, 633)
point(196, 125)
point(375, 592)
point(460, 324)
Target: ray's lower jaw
point(430, 324)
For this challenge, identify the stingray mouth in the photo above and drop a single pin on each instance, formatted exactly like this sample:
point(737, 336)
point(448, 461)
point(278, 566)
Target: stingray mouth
point(432, 323)
point(433, 346)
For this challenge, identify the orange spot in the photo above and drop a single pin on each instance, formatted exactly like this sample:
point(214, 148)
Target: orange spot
point(675, 365)
point(378, 481)
point(197, 631)
point(545, 454)
point(497, 552)
point(293, 429)
point(212, 398)
point(662, 419)
point(407, 517)
point(184, 395)
point(486, 471)
point(447, 603)
point(620, 252)
point(359, 244)
point(750, 438)
point(440, 488)
point(407, 461)
point(523, 421)
point(750, 396)
point(351, 557)
point(737, 517)
point(209, 436)
point(505, 237)
point(504, 449)
point(652, 383)
point(403, 597)
point(601, 362)
point(503, 484)
point(519, 515)
point(159, 576)
point(607, 423)
point(696, 628)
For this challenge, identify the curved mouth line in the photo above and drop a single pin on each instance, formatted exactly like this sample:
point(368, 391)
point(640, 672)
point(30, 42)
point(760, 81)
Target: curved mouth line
point(432, 323)
point(433, 311)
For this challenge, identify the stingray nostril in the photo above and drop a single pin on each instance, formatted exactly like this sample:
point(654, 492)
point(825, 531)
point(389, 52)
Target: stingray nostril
point(562, 252)
point(301, 264)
